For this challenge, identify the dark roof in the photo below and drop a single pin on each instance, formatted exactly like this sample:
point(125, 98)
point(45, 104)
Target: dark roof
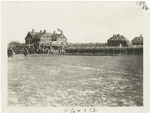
point(55, 36)
point(118, 37)
point(39, 35)
point(138, 39)
point(33, 33)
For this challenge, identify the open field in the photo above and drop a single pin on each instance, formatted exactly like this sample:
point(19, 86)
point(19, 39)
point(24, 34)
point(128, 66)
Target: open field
point(61, 80)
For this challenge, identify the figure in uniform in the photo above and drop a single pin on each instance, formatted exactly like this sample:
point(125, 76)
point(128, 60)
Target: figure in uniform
point(25, 53)
point(10, 53)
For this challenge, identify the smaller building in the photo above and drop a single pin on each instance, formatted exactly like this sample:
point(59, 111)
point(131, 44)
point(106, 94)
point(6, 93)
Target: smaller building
point(138, 40)
point(117, 40)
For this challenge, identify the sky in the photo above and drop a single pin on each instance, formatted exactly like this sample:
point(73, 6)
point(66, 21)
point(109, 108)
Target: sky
point(80, 21)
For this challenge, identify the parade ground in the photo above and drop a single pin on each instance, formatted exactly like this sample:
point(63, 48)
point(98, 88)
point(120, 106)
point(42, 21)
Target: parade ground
point(71, 80)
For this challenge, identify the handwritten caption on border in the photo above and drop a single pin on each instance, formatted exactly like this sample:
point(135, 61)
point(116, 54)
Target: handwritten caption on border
point(80, 110)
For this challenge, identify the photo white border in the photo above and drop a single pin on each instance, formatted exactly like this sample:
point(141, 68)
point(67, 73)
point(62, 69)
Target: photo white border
point(146, 80)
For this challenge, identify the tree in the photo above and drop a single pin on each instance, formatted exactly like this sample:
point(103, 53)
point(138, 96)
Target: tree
point(13, 45)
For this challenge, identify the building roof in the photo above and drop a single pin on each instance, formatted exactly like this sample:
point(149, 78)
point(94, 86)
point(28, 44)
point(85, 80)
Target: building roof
point(38, 35)
point(32, 33)
point(117, 37)
point(55, 36)
point(138, 39)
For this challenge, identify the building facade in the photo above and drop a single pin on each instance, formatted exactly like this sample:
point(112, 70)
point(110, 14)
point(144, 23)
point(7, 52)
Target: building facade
point(46, 40)
point(138, 40)
point(117, 40)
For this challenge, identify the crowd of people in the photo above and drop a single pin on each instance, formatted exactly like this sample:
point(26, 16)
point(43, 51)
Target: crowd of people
point(106, 50)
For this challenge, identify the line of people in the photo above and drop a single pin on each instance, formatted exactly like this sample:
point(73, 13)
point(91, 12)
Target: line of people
point(89, 51)
point(106, 51)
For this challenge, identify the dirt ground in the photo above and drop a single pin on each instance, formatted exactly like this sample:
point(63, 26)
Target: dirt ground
point(78, 81)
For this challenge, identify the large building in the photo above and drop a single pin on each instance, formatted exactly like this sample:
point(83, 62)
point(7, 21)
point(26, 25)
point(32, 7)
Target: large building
point(138, 40)
point(117, 40)
point(44, 39)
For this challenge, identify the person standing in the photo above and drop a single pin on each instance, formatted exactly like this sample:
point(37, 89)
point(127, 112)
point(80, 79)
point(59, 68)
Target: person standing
point(25, 53)
point(10, 54)
point(48, 52)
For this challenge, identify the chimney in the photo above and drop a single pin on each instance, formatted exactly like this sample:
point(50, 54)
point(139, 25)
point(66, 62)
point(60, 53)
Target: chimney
point(45, 31)
point(140, 35)
point(40, 31)
point(118, 35)
point(32, 30)
point(54, 32)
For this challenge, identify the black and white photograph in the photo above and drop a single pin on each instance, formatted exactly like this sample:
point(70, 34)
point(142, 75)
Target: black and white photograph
point(74, 54)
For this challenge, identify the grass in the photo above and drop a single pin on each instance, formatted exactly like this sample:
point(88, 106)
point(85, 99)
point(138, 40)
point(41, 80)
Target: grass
point(84, 81)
